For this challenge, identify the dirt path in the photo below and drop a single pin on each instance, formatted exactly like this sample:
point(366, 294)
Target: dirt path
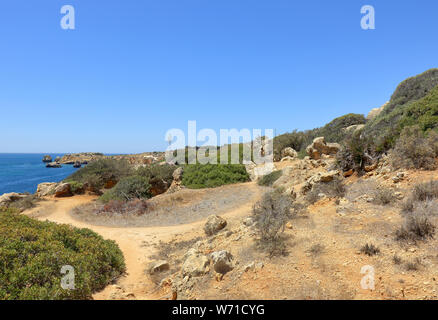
point(136, 243)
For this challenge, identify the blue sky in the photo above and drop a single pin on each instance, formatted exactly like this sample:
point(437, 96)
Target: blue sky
point(131, 70)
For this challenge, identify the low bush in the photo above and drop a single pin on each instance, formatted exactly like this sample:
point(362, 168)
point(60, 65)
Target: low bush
point(269, 179)
point(25, 203)
point(355, 153)
point(421, 192)
point(33, 252)
point(414, 150)
point(416, 227)
point(129, 188)
point(370, 250)
point(119, 207)
point(271, 215)
point(197, 176)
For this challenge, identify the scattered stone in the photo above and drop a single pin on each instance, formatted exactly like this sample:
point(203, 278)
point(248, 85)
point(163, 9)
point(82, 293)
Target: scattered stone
point(214, 224)
point(289, 225)
point(250, 266)
point(195, 264)
point(222, 261)
point(348, 173)
point(158, 266)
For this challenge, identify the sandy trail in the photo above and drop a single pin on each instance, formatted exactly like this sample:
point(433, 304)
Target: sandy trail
point(136, 243)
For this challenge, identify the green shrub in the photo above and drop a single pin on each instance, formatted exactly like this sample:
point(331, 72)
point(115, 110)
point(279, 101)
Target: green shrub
point(355, 153)
point(414, 102)
point(100, 172)
point(33, 252)
point(269, 179)
point(414, 150)
point(197, 176)
point(160, 172)
point(129, 188)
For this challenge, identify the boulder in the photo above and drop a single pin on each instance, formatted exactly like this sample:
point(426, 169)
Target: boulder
point(222, 261)
point(320, 147)
point(63, 190)
point(195, 264)
point(289, 152)
point(256, 171)
point(46, 189)
point(214, 224)
point(47, 158)
point(53, 165)
point(58, 159)
point(158, 266)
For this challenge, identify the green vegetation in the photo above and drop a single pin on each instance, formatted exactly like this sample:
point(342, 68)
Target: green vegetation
point(129, 188)
point(197, 176)
point(414, 102)
point(157, 172)
point(33, 252)
point(415, 150)
point(100, 173)
point(269, 179)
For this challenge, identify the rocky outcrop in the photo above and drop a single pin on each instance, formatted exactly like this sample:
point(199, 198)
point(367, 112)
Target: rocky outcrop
point(47, 158)
point(375, 112)
point(319, 147)
point(46, 189)
point(63, 190)
point(82, 158)
point(195, 264)
point(222, 261)
point(58, 159)
point(77, 164)
point(8, 198)
point(289, 152)
point(53, 165)
point(354, 128)
point(214, 224)
point(177, 180)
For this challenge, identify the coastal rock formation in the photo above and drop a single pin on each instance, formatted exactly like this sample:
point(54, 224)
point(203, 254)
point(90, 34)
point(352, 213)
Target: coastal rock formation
point(58, 159)
point(320, 147)
point(214, 224)
point(82, 158)
point(53, 165)
point(63, 190)
point(47, 158)
point(8, 198)
point(77, 164)
point(46, 189)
